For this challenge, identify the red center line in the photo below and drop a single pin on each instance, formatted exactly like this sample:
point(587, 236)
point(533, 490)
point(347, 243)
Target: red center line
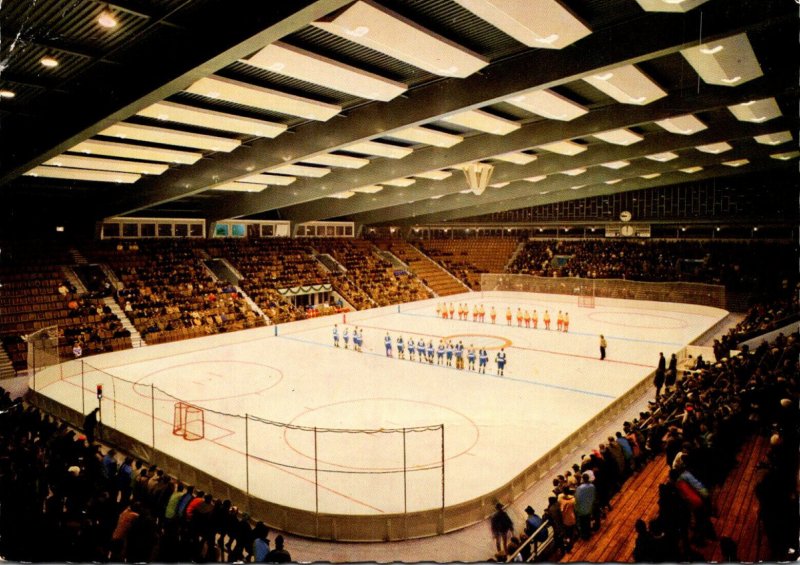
point(273, 465)
point(562, 353)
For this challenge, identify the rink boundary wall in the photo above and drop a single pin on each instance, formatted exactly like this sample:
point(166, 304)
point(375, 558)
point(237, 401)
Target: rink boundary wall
point(376, 527)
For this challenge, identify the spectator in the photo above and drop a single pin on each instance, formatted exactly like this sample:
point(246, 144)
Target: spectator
point(279, 554)
point(502, 527)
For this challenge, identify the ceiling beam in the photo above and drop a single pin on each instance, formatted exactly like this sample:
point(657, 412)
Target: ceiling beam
point(644, 39)
point(227, 31)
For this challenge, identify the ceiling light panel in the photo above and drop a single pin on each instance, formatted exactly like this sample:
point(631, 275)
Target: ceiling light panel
point(400, 182)
point(543, 23)
point(662, 157)
point(613, 181)
point(736, 163)
point(301, 171)
point(333, 160)
point(128, 151)
point(616, 165)
point(418, 134)
point(516, 157)
point(499, 184)
point(619, 137)
point(482, 121)
point(219, 88)
point(627, 85)
point(670, 5)
point(182, 114)
point(682, 125)
point(82, 174)
point(171, 137)
point(371, 189)
point(342, 195)
point(566, 147)
point(691, 170)
point(537, 178)
point(266, 179)
point(573, 172)
point(727, 62)
point(369, 24)
point(774, 138)
point(715, 148)
point(379, 149)
point(434, 175)
point(291, 61)
point(113, 165)
point(650, 176)
point(240, 187)
point(757, 111)
point(548, 104)
point(785, 156)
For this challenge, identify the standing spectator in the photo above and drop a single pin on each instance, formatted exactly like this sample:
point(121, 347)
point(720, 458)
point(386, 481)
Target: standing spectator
point(279, 554)
point(260, 543)
point(672, 373)
point(658, 382)
point(553, 515)
point(90, 424)
point(502, 528)
point(566, 502)
point(585, 500)
point(643, 550)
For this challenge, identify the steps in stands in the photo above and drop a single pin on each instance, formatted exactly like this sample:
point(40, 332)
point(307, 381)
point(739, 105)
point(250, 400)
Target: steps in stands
point(520, 247)
point(222, 270)
point(136, 337)
point(253, 306)
point(6, 367)
point(329, 263)
point(440, 280)
point(74, 279)
point(77, 256)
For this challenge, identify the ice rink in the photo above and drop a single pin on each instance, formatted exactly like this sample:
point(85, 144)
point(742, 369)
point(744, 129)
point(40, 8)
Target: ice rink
point(263, 395)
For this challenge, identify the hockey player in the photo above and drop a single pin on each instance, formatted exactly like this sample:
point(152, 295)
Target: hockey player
point(493, 314)
point(346, 337)
point(459, 355)
point(527, 317)
point(411, 346)
point(357, 340)
point(508, 315)
point(535, 319)
point(440, 353)
point(444, 310)
point(387, 341)
point(475, 313)
point(421, 350)
point(448, 349)
point(471, 357)
point(482, 314)
point(519, 317)
point(500, 359)
point(438, 309)
point(460, 311)
point(546, 319)
point(483, 358)
point(452, 310)
point(400, 353)
point(559, 321)
point(335, 335)
point(565, 325)
point(430, 352)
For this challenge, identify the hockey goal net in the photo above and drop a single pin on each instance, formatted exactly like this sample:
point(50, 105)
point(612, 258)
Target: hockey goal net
point(189, 421)
point(585, 301)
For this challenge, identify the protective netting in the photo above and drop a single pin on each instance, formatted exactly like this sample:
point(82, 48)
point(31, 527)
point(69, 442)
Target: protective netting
point(680, 292)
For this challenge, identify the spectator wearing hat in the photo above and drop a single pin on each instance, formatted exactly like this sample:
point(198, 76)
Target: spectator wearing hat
point(502, 528)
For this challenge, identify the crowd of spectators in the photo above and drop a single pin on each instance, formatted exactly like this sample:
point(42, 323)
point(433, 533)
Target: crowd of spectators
point(696, 431)
point(736, 265)
point(65, 499)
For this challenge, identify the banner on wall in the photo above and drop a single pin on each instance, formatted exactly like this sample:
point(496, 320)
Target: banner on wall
point(312, 289)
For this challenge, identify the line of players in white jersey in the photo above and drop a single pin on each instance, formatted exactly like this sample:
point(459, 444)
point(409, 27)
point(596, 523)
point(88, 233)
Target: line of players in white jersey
point(523, 316)
point(445, 353)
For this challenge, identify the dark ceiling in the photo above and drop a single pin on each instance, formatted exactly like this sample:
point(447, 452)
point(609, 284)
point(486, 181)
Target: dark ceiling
point(160, 48)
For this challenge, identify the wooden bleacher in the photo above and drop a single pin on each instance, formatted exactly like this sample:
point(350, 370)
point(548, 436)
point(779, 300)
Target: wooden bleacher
point(468, 258)
point(433, 275)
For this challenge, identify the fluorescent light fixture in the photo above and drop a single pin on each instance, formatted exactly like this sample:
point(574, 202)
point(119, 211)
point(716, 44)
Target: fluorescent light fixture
point(573, 172)
point(171, 137)
point(726, 62)
point(614, 181)
point(342, 195)
point(240, 187)
point(662, 157)
point(757, 111)
point(499, 184)
point(547, 24)
point(682, 125)
point(565, 147)
point(691, 170)
point(619, 137)
point(482, 121)
point(418, 134)
point(49, 62)
point(219, 88)
point(7, 93)
point(537, 178)
point(438, 196)
point(434, 175)
point(616, 164)
point(736, 163)
point(379, 149)
point(266, 179)
point(774, 138)
point(182, 114)
point(627, 85)
point(300, 171)
point(715, 148)
point(650, 176)
point(369, 24)
point(128, 151)
point(113, 165)
point(785, 156)
point(580, 186)
point(107, 20)
point(548, 104)
point(82, 174)
point(670, 5)
point(516, 157)
point(371, 189)
point(333, 160)
point(400, 182)
point(291, 61)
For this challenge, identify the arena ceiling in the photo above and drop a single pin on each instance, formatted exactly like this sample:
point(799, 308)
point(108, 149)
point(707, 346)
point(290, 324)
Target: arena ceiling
point(368, 110)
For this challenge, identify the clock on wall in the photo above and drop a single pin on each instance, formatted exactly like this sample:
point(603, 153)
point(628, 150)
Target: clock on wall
point(625, 216)
point(627, 231)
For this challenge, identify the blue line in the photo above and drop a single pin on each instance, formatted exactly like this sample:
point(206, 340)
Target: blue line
point(631, 339)
point(467, 372)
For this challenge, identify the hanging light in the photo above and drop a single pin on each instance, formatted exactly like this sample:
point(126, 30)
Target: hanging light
point(478, 176)
point(107, 19)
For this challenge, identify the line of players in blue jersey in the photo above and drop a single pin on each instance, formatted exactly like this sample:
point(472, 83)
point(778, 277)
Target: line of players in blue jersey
point(445, 352)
